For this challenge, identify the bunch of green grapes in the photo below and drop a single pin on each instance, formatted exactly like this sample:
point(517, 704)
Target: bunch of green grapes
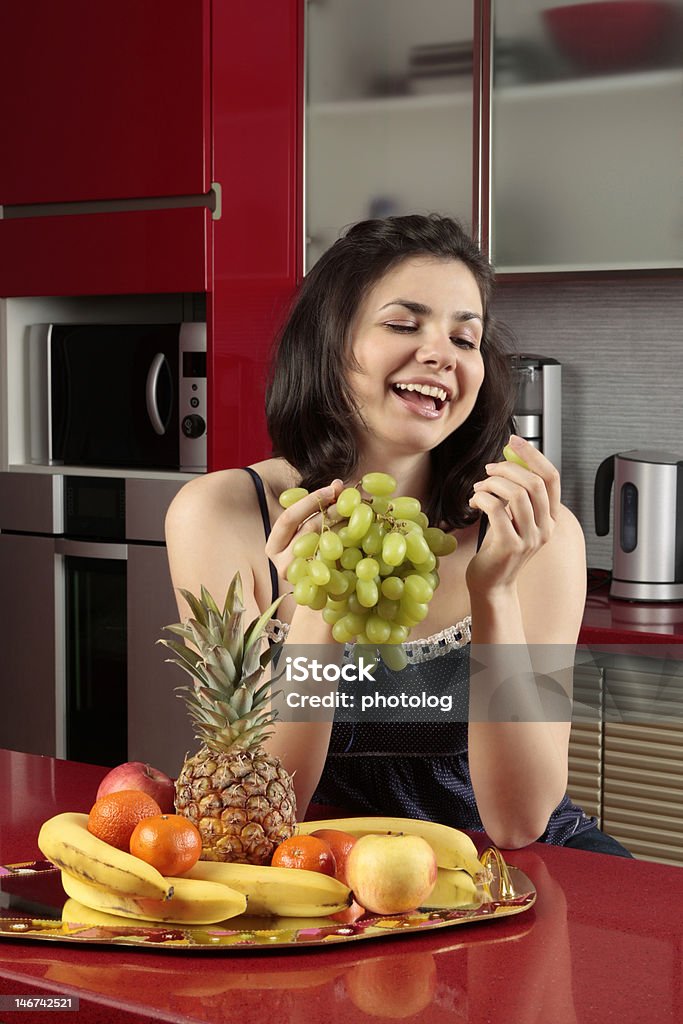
point(373, 573)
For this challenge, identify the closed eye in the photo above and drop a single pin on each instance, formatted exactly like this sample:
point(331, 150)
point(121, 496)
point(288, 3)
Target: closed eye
point(464, 343)
point(401, 328)
point(407, 328)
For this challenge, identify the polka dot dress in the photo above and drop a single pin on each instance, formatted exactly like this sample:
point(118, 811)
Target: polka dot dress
point(413, 762)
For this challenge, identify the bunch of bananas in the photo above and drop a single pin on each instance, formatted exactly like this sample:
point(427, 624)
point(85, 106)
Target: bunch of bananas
point(459, 867)
point(105, 879)
point(108, 881)
point(453, 849)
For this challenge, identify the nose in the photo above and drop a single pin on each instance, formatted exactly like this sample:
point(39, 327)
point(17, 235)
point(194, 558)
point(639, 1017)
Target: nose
point(437, 350)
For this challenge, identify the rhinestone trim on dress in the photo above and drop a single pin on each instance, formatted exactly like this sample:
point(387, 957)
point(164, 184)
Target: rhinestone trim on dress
point(417, 651)
point(448, 639)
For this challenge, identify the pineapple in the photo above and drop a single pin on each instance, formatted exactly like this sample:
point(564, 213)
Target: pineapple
point(239, 796)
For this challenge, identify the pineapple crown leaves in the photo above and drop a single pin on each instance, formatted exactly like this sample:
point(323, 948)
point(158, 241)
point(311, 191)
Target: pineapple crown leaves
point(229, 740)
point(226, 701)
point(209, 629)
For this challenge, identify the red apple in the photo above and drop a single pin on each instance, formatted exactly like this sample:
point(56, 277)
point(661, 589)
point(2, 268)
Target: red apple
point(136, 775)
point(391, 874)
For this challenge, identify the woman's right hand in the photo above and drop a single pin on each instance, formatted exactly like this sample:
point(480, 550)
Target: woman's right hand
point(304, 516)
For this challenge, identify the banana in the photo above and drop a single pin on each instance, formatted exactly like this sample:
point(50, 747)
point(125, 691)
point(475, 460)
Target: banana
point(66, 842)
point(453, 889)
point(453, 848)
point(282, 892)
point(194, 901)
point(77, 914)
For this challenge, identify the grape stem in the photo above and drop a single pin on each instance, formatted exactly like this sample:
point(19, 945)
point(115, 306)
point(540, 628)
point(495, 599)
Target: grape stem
point(325, 525)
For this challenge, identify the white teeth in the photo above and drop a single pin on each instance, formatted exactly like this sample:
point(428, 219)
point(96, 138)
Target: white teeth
point(424, 389)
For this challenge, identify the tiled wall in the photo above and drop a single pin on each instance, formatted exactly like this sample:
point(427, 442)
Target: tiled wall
point(621, 348)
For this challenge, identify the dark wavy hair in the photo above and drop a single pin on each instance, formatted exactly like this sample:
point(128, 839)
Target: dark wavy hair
point(310, 407)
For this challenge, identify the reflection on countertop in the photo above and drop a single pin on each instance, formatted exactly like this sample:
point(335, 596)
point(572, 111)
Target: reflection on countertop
point(610, 621)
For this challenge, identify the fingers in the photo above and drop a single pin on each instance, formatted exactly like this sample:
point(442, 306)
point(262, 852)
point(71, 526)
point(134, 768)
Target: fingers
point(538, 464)
point(513, 500)
point(303, 516)
point(540, 480)
point(528, 497)
point(497, 512)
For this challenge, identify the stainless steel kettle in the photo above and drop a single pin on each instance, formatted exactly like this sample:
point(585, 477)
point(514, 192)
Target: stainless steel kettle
point(648, 523)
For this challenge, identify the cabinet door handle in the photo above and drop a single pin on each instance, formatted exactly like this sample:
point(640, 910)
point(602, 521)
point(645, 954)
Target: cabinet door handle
point(151, 393)
point(91, 549)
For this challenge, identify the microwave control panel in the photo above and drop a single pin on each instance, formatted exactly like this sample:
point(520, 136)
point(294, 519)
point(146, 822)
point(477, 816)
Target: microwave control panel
point(193, 396)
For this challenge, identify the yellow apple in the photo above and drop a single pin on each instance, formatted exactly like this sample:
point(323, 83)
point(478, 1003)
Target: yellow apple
point(391, 874)
point(393, 987)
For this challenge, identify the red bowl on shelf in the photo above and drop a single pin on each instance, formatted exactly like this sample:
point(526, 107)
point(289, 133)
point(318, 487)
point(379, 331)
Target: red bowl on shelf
point(610, 36)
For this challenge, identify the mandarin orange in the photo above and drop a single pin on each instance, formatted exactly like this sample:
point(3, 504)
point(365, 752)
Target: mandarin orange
point(113, 817)
point(340, 843)
point(169, 842)
point(306, 852)
point(350, 914)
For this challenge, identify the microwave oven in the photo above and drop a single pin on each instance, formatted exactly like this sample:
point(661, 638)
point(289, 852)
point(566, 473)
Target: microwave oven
point(118, 395)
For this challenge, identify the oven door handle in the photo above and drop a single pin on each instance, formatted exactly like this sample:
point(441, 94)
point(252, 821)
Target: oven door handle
point(91, 549)
point(155, 419)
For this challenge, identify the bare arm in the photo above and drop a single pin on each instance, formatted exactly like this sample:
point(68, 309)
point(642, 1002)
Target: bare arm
point(302, 746)
point(527, 591)
point(213, 529)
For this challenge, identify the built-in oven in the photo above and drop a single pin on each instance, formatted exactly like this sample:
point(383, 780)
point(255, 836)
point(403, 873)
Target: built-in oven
point(91, 559)
point(85, 592)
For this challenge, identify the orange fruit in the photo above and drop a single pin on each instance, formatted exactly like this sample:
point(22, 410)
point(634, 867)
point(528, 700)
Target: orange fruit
point(306, 852)
point(340, 843)
point(113, 817)
point(169, 842)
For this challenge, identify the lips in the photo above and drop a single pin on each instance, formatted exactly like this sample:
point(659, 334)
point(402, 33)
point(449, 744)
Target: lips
point(429, 388)
point(426, 398)
point(420, 404)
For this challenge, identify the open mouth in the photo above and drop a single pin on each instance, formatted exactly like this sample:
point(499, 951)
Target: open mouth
point(428, 399)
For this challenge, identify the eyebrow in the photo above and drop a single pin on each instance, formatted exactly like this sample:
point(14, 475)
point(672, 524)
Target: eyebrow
point(462, 315)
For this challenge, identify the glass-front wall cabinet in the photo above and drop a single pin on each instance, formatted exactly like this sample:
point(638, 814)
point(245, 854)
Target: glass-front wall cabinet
point(388, 126)
point(587, 135)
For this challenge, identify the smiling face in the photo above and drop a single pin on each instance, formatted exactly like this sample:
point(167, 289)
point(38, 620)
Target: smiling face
point(416, 341)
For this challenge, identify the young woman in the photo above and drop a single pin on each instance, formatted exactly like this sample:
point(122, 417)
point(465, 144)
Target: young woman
point(391, 361)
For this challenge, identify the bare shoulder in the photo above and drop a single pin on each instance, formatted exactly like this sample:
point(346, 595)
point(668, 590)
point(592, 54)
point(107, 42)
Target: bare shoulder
point(209, 497)
point(231, 489)
point(214, 529)
point(568, 531)
point(552, 585)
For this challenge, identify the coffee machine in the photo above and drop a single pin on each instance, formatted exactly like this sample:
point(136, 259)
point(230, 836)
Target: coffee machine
point(538, 405)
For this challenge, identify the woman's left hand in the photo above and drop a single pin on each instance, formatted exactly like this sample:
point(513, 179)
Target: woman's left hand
point(522, 506)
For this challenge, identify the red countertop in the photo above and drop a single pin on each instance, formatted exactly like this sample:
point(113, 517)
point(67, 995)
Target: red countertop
point(607, 621)
point(604, 942)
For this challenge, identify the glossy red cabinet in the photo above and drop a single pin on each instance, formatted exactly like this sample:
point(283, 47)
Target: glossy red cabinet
point(257, 243)
point(104, 100)
point(130, 102)
point(124, 253)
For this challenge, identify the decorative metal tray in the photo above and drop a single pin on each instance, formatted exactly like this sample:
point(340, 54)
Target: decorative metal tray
point(32, 904)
